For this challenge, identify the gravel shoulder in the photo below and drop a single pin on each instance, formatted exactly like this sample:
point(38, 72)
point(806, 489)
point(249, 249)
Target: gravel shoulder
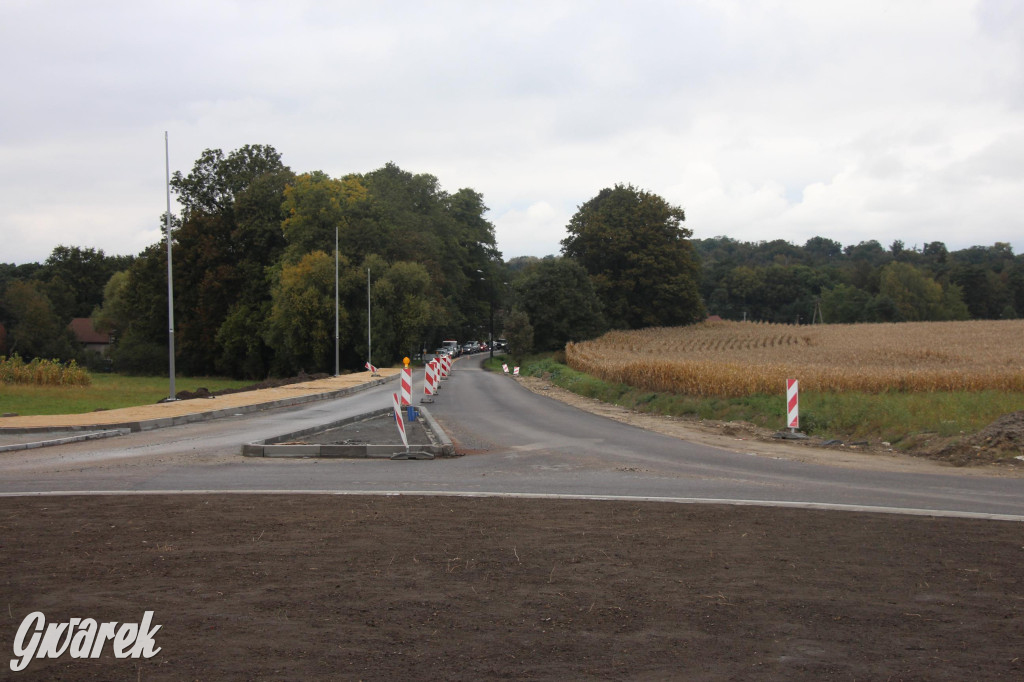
point(748, 438)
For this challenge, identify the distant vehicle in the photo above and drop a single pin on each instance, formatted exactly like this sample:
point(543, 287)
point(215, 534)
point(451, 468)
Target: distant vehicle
point(453, 347)
point(501, 344)
point(469, 347)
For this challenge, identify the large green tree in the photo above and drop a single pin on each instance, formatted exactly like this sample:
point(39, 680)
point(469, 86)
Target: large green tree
point(560, 301)
point(230, 235)
point(301, 325)
point(639, 258)
point(34, 329)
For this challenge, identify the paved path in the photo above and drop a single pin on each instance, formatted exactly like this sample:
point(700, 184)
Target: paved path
point(516, 443)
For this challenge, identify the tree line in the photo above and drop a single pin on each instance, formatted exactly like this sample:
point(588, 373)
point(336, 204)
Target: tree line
point(256, 249)
point(824, 281)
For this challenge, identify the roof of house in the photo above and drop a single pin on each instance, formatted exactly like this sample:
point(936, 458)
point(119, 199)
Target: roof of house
point(81, 327)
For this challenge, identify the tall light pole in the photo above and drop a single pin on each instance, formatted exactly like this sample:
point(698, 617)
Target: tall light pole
point(170, 281)
point(490, 283)
point(337, 336)
point(369, 322)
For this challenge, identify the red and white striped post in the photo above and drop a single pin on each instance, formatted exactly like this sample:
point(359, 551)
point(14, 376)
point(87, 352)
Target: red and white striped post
point(406, 383)
point(399, 421)
point(428, 383)
point(435, 375)
point(792, 404)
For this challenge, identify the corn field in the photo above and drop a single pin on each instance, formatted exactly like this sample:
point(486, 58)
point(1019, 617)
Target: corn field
point(14, 370)
point(733, 359)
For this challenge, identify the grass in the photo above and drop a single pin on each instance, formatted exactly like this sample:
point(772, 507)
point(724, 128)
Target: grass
point(896, 417)
point(107, 391)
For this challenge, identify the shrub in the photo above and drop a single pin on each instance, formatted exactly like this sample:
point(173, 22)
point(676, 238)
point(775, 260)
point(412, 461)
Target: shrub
point(14, 370)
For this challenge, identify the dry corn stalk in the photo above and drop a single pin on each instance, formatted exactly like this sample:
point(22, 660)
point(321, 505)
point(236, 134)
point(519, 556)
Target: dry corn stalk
point(730, 359)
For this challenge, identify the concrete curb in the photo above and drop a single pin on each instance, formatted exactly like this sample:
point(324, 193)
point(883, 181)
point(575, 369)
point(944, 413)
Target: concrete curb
point(277, 447)
point(150, 424)
point(93, 435)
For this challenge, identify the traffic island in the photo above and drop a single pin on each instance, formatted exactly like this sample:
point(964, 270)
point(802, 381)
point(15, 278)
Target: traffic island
point(373, 435)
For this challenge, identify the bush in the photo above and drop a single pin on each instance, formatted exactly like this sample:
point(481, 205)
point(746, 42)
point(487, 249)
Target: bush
point(14, 370)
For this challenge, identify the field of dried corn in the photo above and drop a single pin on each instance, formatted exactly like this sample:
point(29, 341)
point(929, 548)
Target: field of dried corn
point(734, 359)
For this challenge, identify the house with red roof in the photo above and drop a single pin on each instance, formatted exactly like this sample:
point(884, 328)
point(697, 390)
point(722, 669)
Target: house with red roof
point(88, 337)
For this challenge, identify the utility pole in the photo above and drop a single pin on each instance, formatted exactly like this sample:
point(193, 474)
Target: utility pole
point(170, 280)
point(369, 322)
point(337, 336)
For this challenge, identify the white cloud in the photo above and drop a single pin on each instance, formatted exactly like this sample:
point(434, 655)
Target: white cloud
point(765, 119)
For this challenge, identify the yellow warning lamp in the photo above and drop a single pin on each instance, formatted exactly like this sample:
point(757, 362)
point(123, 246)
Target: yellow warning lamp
point(405, 361)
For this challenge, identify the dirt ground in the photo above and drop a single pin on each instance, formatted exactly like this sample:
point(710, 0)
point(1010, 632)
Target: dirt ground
point(313, 587)
point(350, 587)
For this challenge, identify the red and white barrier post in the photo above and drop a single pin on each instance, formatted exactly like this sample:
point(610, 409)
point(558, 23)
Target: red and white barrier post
point(429, 382)
point(436, 373)
point(399, 421)
point(792, 404)
point(406, 383)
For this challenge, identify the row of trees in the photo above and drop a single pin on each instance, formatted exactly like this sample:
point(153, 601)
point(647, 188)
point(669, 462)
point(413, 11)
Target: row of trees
point(779, 282)
point(258, 249)
point(255, 258)
point(37, 301)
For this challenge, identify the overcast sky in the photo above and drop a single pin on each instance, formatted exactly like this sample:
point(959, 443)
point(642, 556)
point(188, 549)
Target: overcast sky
point(763, 119)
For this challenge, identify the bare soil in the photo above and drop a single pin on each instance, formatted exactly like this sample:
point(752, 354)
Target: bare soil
point(315, 587)
point(348, 587)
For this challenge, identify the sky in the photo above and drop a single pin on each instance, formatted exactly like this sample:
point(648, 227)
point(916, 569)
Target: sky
point(763, 119)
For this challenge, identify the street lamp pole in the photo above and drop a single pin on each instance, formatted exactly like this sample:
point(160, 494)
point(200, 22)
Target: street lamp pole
point(337, 336)
point(170, 280)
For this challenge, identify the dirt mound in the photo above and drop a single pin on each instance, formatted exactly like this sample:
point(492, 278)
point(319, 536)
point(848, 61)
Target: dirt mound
point(201, 392)
point(1001, 441)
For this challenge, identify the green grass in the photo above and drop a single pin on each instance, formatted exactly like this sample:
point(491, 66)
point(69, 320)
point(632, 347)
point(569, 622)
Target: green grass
point(107, 391)
point(899, 418)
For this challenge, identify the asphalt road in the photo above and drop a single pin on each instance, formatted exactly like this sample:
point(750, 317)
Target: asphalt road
point(515, 442)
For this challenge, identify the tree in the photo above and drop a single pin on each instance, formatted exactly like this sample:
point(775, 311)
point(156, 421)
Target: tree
point(216, 181)
point(844, 304)
point(34, 330)
point(405, 307)
point(301, 325)
point(916, 296)
point(639, 258)
point(230, 234)
point(141, 308)
point(519, 333)
point(112, 317)
point(822, 251)
point(75, 278)
point(315, 208)
point(560, 302)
